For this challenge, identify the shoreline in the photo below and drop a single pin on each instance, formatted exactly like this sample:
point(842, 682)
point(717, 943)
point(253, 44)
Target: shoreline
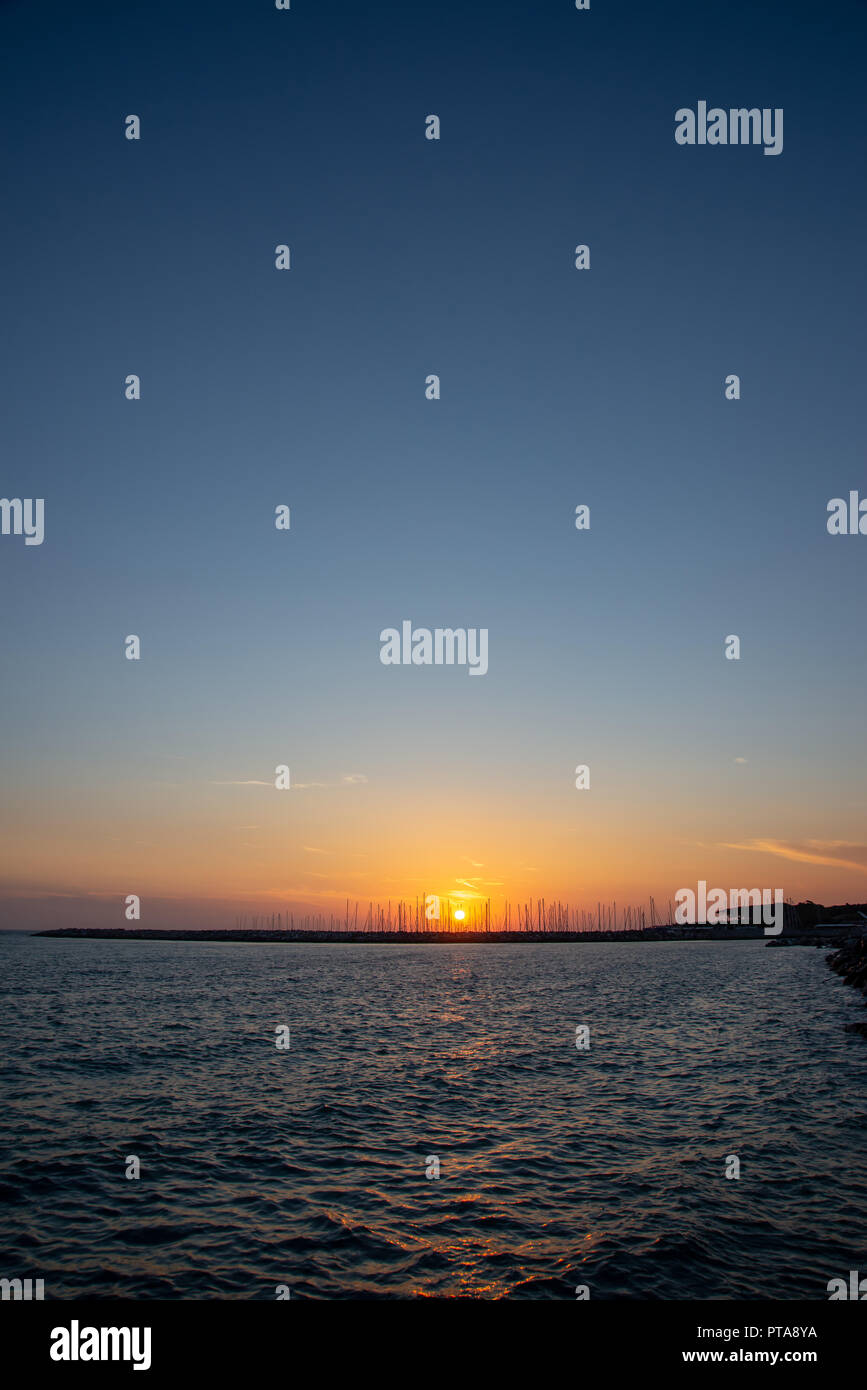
point(651, 934)
point(850, 962)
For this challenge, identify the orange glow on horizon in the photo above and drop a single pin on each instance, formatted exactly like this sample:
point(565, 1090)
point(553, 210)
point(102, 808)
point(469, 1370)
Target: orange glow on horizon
point(248, 848)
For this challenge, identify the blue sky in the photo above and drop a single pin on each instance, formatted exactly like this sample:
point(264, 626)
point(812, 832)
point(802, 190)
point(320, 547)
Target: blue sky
point(558, 387)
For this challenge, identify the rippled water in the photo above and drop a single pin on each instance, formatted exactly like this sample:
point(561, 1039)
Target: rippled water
point(307, 1167)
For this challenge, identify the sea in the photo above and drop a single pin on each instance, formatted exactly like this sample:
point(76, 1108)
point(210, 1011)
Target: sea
point(677, 1120)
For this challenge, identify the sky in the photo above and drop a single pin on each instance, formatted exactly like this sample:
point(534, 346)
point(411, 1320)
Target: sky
point(306, 387)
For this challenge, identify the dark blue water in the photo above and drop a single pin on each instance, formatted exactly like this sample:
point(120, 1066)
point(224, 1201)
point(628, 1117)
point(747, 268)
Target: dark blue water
point(306, 1167)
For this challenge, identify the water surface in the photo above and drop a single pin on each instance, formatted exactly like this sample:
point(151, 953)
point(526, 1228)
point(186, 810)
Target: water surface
point(307, 1168)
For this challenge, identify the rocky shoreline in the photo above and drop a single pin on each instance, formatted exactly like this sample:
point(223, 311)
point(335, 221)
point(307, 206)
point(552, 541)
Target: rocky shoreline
point(850, 961)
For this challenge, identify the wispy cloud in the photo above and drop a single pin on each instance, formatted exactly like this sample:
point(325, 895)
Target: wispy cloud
point(838, 854)
point(350, 779)
point(250, 783)
point(256, 782)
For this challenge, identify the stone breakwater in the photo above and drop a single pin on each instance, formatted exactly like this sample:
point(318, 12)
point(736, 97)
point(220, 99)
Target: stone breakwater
point(850, 961)
point(454, 937)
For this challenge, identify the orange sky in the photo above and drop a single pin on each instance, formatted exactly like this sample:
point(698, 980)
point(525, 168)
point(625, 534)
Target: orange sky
point(244, 846)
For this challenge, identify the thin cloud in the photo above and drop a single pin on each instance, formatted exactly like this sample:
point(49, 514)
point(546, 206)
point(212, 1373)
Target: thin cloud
point(810, 852)
point(255, 782)
point(251, 783)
